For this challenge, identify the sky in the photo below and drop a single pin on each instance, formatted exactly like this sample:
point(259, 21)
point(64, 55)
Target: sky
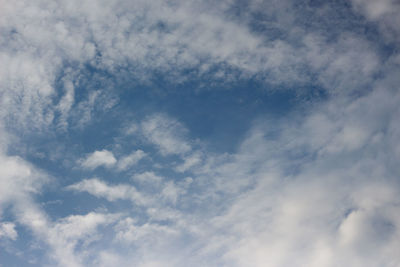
point(231, 133)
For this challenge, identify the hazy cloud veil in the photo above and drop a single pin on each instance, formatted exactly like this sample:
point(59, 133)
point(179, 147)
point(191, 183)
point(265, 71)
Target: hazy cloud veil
point(193, 133)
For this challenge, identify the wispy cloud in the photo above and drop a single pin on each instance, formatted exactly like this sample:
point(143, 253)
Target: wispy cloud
point(110, 192)
point(130, 160)
point(148, 177)
point(167, 134)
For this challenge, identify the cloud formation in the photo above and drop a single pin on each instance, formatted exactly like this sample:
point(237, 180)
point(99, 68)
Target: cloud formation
point(165, 133)
point(99, 158)
point(110, 192)
point(7, 230)
point(316, 186)
point(130, 160)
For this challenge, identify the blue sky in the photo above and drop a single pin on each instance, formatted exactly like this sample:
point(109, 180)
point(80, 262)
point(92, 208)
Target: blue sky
point(199, 133)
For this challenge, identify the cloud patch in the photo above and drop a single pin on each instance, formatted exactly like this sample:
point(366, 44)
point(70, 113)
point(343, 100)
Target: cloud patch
point(99, 158)
point(7, 230)
point(130, 160)
point(167, 134)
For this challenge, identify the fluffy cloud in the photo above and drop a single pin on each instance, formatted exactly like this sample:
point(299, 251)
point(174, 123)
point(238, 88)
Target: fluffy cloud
point(66, 234)
point(99, 158)
point(19, 181)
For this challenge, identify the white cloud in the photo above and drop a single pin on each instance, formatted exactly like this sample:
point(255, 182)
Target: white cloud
point(336, 64)
point(19, 180)
point(169, 38)
point(190, 162)
point(99, 158)
point(375, 9)
point(130, 160)
point(66, 102)
point(110, 192)
point(171, 192)
point(129, 231)
point(148, 178)
point(7, 230)
point(166, 133)
point(155, 191)
point(64, 235)
point(79, 226)
point(323, 193)
point(335, 207)
point(385, 12)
